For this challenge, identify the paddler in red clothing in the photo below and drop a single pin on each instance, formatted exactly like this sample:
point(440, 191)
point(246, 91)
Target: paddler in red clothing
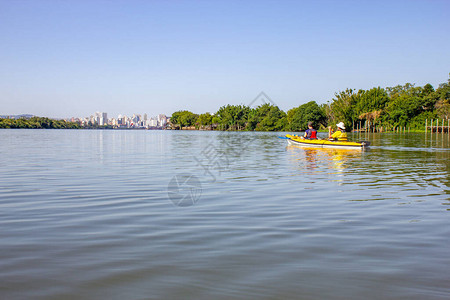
point(310, 133)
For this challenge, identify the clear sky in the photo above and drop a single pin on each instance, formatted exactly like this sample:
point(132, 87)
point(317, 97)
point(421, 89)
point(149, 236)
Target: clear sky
point(72, 58)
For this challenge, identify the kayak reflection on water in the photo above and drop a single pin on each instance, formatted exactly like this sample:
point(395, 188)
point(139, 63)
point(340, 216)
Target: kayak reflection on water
point(312, 158)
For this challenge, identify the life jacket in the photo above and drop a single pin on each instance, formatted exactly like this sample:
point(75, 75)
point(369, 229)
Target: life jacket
point(311, 134)
point(342, 137)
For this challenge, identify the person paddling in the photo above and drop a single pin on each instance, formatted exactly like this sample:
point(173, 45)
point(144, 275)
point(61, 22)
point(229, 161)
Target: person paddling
point(310, 133)
point(339, 135)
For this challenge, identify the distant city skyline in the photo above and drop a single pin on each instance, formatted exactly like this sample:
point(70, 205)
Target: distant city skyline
point(135, 120)
point(65, 58)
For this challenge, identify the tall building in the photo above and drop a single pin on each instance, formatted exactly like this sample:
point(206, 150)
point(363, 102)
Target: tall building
point(97, 117)
point(162, 120)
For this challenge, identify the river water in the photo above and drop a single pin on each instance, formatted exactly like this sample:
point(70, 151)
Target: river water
point(98, 214)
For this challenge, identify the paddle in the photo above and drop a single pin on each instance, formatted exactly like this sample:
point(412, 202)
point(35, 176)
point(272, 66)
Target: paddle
point(283, 137)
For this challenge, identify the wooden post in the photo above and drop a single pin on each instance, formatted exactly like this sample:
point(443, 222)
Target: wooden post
point(442, 126)
point(431, 126)
point(426, 121)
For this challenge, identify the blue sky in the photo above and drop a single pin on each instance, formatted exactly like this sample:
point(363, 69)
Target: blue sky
point(72, 58)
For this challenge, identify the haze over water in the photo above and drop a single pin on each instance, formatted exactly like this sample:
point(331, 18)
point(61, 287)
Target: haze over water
point(87, 214)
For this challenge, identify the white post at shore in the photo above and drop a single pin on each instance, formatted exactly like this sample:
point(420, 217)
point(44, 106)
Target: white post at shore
point(426, 121)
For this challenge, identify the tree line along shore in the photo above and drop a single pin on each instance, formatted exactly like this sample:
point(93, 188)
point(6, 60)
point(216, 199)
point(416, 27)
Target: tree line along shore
point(402, 106)
point(38, 123)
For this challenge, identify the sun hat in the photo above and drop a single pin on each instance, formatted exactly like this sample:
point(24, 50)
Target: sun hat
point(340, 125)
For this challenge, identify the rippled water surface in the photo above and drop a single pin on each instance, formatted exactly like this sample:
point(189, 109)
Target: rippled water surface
point(109, 215)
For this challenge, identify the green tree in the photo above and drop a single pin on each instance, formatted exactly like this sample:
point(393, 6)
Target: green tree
point(299, 117)
point(204, 119)
point(183, 118)
point(370, 106)
point(233, 117)
point(267, 117)
point(406, 102)
point(342, 108)
point(188, 119)
point(442, 105)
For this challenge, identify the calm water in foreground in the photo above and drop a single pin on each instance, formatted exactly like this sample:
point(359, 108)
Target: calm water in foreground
point(87, 214)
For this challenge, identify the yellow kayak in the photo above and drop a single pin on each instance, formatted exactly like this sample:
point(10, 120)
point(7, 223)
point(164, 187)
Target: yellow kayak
point(300, 141)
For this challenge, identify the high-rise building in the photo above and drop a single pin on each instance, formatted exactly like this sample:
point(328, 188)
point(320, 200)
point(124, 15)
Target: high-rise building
point(97, 117)
point(162, 120)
